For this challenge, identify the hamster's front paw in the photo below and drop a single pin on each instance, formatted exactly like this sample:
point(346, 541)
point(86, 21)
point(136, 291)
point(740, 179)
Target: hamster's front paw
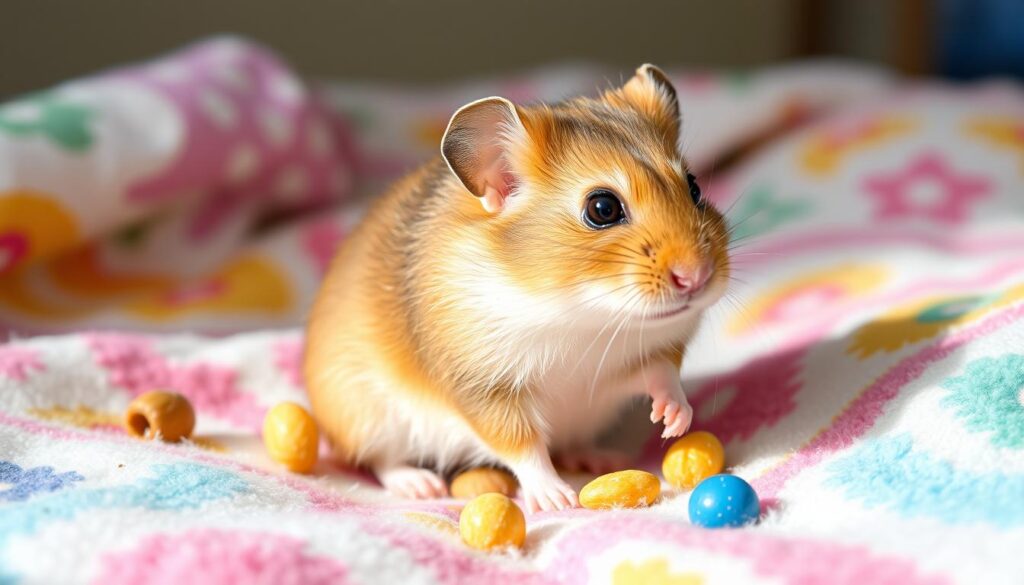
point(674, 410)
point(412, 482)
point(548, 494)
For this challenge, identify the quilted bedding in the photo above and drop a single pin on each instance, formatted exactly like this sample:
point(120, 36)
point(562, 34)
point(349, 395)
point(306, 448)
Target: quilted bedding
point(866, 372)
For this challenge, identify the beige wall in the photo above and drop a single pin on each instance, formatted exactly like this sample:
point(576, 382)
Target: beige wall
point(44, 41)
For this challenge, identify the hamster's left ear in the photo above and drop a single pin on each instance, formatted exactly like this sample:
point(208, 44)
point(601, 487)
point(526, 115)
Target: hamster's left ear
point(650, 92)
point(475, 146)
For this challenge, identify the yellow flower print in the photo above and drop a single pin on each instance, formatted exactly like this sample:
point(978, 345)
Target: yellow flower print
point(1003, 131)
point(433, 522)
point(80, 416)
point(249, 284)
point(32, 226)
point(825, 151)
point(925, 319)
point(808, 294)
point(651, 572)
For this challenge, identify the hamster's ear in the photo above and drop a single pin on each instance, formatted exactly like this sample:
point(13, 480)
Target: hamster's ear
point(474, 146)
point(651, 92)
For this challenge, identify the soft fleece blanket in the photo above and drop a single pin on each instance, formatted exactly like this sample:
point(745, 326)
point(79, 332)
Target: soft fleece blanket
point(866, 374)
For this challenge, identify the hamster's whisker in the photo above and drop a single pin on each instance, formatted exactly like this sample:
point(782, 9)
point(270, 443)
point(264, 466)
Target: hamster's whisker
point(703, 223)
point(754, 254)
point(589, 302)
point(587, 248)
point(599, 333)
point(628, 249)
point(595, 279)
point(640, 342)
point(606, 261)
point(600, 364)
point(735, 201)
point(732, 227)
point(738, 280)
point(741, 311)
point(744, 238)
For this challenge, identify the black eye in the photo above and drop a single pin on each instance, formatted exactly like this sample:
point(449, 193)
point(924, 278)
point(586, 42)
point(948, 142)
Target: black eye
point(603, 209)
point(694, 188)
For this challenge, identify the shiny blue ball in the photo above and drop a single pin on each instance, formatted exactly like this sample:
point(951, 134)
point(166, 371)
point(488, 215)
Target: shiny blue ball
point(723, 500)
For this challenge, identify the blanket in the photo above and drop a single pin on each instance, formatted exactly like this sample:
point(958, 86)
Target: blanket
point(865, 372)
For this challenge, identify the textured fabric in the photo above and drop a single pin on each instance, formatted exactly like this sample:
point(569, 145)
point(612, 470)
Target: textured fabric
point(130, 197)
point(865, 374)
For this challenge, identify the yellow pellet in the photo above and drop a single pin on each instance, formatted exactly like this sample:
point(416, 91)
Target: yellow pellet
point(692, 459)
point(164, 415)
point(290, 436)
point(483, 480)
point(622, 489)
point(492, 521)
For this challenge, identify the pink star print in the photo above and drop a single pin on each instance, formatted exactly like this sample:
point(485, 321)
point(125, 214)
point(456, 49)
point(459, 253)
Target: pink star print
point(926, 188)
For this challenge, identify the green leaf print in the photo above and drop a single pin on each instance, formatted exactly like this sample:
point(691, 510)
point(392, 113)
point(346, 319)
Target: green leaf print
point(64, 123)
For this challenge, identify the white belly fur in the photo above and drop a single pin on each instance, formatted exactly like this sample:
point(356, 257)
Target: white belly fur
point(575, 407)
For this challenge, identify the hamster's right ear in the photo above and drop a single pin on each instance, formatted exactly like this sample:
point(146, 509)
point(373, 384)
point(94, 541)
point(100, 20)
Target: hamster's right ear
point(474, 146)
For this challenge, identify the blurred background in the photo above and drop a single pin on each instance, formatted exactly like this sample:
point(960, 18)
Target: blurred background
point(45, 42)
point(204, 183)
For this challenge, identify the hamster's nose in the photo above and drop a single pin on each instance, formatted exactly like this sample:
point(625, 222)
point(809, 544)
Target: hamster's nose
point(689, 281)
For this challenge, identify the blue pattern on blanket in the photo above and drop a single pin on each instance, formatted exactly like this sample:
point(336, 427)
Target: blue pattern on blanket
point(26, 482)
point(988, 398)
point(173, 487)
point(890, 473)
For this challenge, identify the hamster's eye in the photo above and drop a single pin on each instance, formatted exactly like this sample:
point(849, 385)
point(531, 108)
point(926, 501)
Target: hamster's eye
point(603, 209)
point(694, 188)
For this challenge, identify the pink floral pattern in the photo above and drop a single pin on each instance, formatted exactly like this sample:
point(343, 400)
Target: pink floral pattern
point(221, 557)
point(755, 396)
point(16, 363)
point(949, 193)
point(288, 359)
point(253, 129)
point(133, 364)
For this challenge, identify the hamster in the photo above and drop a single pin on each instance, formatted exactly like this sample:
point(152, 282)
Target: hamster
point(504, 302)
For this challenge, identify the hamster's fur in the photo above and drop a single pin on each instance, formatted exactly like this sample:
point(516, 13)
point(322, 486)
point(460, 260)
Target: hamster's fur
point(496, 306)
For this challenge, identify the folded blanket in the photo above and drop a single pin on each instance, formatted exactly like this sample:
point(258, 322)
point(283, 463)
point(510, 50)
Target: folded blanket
point(865, 375)
point(132, 192)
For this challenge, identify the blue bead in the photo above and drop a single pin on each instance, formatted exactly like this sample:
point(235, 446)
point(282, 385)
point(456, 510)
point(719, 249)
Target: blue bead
point(723, 501)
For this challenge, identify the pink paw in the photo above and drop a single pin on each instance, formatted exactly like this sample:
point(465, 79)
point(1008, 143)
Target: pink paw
point(548, 495)
point(676, 414)
point(591, 460)
point(413, 482)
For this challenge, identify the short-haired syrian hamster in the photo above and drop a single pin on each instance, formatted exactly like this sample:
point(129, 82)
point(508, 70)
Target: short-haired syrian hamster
point(501, 304)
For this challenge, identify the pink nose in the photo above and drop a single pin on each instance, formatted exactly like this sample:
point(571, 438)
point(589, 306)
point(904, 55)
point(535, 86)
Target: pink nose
point(690, 282)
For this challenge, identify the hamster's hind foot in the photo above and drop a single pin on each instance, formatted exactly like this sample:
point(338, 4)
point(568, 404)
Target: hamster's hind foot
point(411, 482)
point(547, 494)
